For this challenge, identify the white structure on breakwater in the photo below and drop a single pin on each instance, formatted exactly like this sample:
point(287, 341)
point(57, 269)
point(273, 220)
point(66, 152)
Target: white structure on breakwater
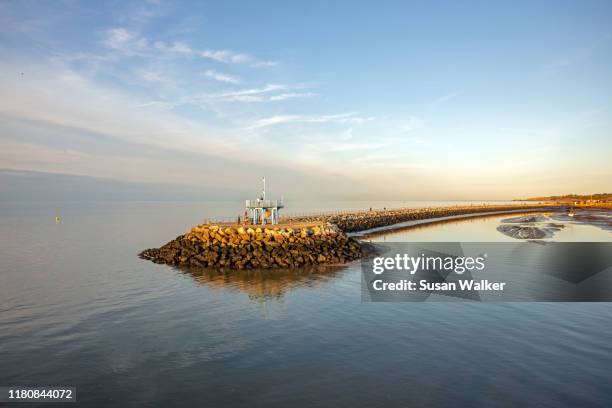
point(262, 211)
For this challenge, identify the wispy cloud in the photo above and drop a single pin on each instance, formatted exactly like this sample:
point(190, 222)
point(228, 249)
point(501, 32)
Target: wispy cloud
point(128, 42)
point(122, 40)
point(103, 135)
point(226, 56)
point(117, 38)
point(231, 57)
point(350, 117)
point(266, 93)
point(264, 64)
point(218, 76)
point(443, 99)
point(250, 94)
point(290, 95)
point(78, 103)
point(159, 104)
point(153, 76)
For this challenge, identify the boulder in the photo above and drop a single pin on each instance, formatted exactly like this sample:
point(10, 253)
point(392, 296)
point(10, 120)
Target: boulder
point(261, 247)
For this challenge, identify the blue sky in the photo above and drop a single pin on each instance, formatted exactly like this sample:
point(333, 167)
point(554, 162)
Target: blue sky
point(406, 100)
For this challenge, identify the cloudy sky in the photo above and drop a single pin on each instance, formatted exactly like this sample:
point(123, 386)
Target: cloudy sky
point(397, 100)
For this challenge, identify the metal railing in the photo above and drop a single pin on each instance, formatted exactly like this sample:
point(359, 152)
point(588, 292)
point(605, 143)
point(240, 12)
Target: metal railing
point(264, 203)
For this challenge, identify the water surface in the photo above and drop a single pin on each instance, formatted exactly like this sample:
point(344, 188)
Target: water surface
point(79, 308)
point(581, 228)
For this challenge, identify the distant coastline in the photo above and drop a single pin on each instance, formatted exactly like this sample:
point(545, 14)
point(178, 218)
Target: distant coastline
point(598, 198)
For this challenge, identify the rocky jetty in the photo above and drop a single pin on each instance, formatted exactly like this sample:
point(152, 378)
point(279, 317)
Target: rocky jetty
point(297, 241)
point(363, 220)
point(255, 247)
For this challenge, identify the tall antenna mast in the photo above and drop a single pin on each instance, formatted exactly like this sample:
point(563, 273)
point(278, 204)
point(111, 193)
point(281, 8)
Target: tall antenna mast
point(263, 179)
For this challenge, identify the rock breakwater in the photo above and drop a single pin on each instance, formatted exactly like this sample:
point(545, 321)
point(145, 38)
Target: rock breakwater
point(297, 241)
point(254, 247)
point(364, 220)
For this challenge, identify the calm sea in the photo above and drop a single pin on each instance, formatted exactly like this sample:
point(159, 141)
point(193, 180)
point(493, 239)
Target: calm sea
point(77, 307)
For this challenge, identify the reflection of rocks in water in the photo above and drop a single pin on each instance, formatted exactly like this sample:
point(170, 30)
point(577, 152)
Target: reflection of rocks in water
point(264, 284)
point(522, 231)
point(525, 219)
point(601, 219)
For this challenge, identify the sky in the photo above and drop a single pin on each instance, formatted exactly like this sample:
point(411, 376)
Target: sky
point(328, 100)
